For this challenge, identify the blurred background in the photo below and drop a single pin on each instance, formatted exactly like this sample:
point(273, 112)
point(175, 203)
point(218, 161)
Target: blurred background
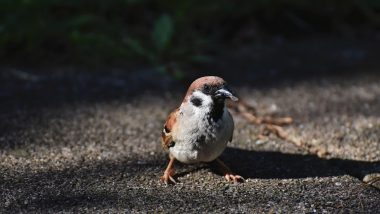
point(177, 37)
point(85, 87)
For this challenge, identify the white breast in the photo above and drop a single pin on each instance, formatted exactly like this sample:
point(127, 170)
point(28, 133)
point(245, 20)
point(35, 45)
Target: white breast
point(199, 138)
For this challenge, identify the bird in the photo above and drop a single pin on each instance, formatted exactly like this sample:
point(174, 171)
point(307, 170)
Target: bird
point(200, 128)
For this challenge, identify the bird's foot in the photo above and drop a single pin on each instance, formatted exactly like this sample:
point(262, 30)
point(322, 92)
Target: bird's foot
point(167, 178)
point(228, 175)
point(234, 178)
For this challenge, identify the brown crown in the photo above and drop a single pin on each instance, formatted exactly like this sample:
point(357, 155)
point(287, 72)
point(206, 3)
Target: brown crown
point(200, 82)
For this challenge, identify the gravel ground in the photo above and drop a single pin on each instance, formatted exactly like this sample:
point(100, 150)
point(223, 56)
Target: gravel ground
point(81, 141)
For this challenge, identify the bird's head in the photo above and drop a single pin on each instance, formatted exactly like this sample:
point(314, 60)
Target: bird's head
point(209, 88)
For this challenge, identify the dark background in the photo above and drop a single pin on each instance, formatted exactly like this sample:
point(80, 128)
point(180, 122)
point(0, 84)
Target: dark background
point(173, 37)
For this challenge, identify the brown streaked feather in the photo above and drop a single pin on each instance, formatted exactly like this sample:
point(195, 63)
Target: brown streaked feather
point(166, 134)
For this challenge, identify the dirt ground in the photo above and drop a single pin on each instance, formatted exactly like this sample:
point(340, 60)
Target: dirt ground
point(75, 140)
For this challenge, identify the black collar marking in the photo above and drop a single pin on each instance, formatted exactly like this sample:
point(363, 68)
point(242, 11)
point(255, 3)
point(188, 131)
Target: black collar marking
point(217, 109)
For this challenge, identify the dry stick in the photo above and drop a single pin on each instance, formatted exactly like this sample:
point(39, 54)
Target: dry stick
point(279, 132)
point(249, 112)
point(272, 125)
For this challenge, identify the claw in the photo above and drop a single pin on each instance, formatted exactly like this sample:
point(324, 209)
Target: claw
point(228, 175)
point(169, 172)
point(168, 179)
point(234, 178)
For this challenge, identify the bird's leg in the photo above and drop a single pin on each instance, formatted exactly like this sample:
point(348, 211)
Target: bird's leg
point(228, 174)
point(169, 172)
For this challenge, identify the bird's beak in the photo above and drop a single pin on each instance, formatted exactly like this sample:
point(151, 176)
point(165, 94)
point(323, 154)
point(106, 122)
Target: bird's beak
point(226, 93)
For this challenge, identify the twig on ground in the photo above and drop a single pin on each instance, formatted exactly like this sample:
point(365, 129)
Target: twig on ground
point(272, 125)
point(249, 112)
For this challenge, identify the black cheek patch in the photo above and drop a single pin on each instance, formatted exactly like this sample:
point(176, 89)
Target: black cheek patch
point(196, 101)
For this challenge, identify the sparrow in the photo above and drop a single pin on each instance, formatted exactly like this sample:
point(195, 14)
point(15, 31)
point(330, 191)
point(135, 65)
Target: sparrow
point(200, 128)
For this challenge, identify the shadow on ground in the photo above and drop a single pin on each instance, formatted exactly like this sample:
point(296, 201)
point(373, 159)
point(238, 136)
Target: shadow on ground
point(107, 184)
point(277, 165)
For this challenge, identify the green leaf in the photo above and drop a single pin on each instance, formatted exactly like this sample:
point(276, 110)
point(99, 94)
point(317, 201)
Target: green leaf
point(136, 47)
point(81, 20)
point(161, 69)
point(178, 74)
point(162, 32)
point(200, 58)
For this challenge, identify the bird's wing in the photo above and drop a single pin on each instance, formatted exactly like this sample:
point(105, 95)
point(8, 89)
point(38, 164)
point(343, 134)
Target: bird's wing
point(166, 134)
